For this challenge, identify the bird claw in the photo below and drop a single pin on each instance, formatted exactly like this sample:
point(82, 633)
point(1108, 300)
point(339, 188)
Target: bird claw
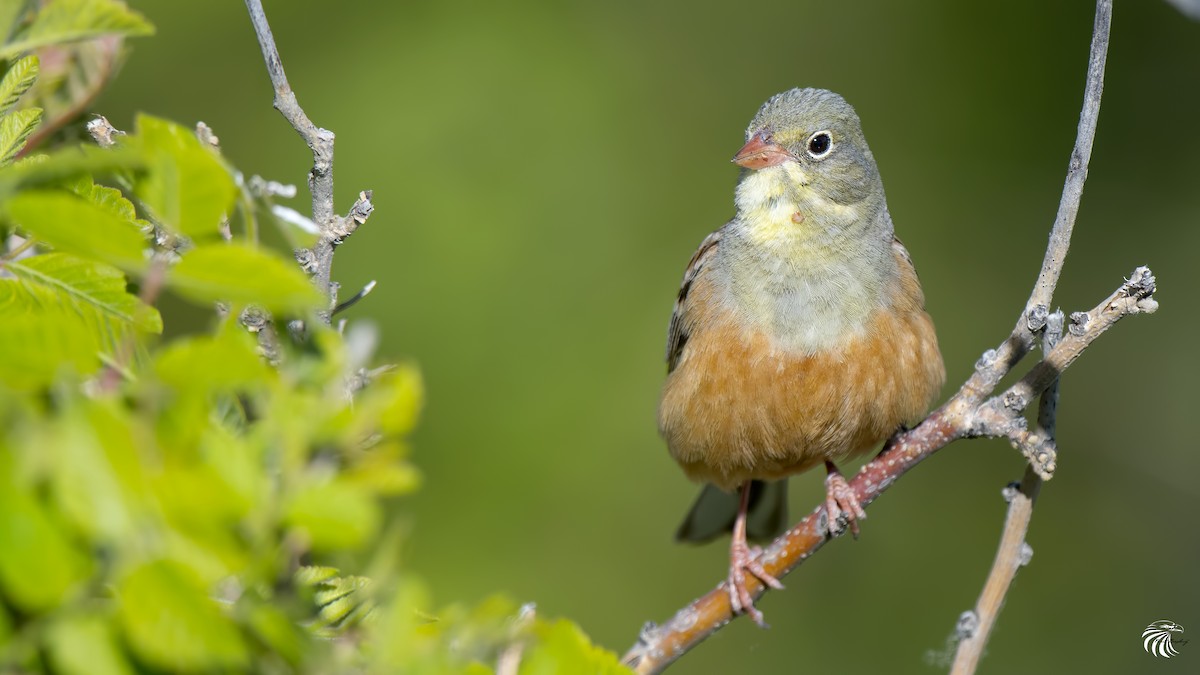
point(742, 561)
point(840, 501)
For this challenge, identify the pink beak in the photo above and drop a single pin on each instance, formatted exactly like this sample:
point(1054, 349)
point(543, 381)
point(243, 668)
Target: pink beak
point(760, 153)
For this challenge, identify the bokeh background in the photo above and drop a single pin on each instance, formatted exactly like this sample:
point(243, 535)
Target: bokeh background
point(542, 173)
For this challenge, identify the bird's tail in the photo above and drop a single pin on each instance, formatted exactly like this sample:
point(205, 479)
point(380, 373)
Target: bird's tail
point(715, 510)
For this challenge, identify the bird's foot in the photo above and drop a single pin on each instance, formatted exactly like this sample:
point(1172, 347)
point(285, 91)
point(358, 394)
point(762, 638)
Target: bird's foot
point(744, 559)
point(840, 500)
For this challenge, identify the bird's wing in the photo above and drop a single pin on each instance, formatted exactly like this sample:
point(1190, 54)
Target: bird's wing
point(901, 253)
point(676, 333)
point(910, 283)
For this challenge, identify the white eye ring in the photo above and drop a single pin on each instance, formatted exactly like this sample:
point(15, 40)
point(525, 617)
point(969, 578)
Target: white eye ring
point(820, 144)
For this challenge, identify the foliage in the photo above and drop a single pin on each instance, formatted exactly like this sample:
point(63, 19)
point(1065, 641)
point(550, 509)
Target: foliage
point(169, 500)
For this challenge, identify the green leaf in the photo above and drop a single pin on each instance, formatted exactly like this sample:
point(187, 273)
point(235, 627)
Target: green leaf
point(334, 514)
point(313, 575)
point(85, 485)
point(15, 129)
point(188, 188)
point(390, 404)
point(17, 81)
point(202, 365)
point(203, 515)
point(387, 408)
point(108, 198)
point(36, 348)
point(561, 647)
point(85, 644)
point(62, 21)
point(53, 169)
point(242, 274)
point(93, 290)
point(397, 629)
point(341, 602)
point(384, 475)
point(62, 311)
point(72, 224)
point(277, 630)
point(237, 461)
point(172, 624)
point(39, 567)
point(94, 465)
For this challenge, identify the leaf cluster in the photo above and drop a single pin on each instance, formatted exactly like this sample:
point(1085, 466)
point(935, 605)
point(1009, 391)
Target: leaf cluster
point(170, 500)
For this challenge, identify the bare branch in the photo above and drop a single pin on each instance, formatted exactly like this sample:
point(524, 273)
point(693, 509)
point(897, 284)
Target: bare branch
point(366, 290)
point(103, 131)
point(1068, 206)
point(258, 321)
point(319, 140)
point(997, 364)
point(1014, 552)
point(317, 261)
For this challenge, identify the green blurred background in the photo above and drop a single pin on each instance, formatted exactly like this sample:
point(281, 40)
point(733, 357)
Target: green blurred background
point(542, 173)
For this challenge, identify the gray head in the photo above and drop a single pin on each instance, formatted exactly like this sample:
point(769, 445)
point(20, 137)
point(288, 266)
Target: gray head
point(819, 131)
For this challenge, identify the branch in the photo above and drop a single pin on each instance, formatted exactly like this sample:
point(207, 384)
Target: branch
point(317, 261)
point(973, 411)
point(1068, 207)
point(975, 626)
point(999, 362)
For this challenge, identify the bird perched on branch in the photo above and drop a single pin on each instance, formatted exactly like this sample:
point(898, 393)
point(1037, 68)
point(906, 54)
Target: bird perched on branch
point(799, 336)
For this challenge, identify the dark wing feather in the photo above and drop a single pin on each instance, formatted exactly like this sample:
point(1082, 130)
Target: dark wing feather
point(900, 250)
point(676, 334)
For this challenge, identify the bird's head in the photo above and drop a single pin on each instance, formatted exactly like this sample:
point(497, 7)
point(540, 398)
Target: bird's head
point(806, 146)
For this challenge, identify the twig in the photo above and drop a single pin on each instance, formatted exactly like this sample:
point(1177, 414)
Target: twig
point(15, 253)
point(509, 661)
point(333, 230)
point(109, 47)
point(975, 626)
point(973, 411)
point(258, 321)
point(1068, 206)
point(366, 290)
point(998, 363)
point(103, 132)
point(320, 141)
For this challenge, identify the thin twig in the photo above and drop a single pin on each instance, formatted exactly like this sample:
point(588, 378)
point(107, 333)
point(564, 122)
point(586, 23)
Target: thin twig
point(103, 132)
point(1023, 338)
point(1077, 170)
point(973, 411)
point(366, 290)
point(509, 661)
point(975, 626)
point(109, 47)
point(259, 321)
point(318, 260)
point(320, 141)
point(16, 252)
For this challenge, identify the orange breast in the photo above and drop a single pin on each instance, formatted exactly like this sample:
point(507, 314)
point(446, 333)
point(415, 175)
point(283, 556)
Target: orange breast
point(737, 408)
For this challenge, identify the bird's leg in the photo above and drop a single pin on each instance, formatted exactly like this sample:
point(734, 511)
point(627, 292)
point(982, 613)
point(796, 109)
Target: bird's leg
point(742, 559)
point(840, 499)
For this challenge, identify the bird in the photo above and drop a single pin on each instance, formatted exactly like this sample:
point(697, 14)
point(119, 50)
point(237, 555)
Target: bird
point(799, 336)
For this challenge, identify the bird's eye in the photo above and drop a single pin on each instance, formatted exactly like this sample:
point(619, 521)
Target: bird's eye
point(820, 144)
